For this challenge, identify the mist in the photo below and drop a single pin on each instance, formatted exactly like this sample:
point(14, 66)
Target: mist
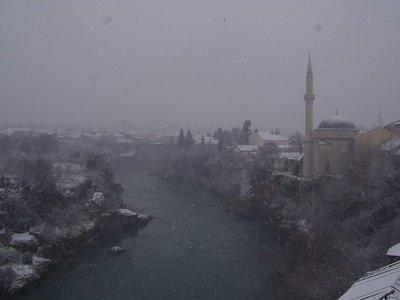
point(197, 63)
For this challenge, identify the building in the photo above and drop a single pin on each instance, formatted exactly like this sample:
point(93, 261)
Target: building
point(391, 146)
point(246, 150)
point(326, 146)
point(375, 137)
point(261, 138)
point(394, 127)
point(383, 283)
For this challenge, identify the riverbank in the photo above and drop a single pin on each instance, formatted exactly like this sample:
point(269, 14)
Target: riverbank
point(53, 204)
point(28, 257)
point(335, 228)
point(191, 249)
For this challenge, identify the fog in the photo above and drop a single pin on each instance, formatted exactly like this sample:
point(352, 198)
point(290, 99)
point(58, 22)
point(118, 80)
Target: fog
point(197, 63)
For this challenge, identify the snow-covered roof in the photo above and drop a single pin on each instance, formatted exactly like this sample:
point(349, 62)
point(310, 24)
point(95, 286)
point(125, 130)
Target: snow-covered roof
point(390, 145)
point(10, 131)
point(291, 155)
point(268, 136)
point(247, 148)
point(376, 284)
point(394, 250)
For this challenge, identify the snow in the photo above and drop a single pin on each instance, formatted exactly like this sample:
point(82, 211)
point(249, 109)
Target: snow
point(126, 212)
point(24, 274)
point(394, 250)
point(247, 148)
point(375, 284)
point(267, 136)
point(70, 167)
point(98, 198)
point(390, 145)
point(291, 155)
point(22, 239)
point(143, 216)
point(40, 264)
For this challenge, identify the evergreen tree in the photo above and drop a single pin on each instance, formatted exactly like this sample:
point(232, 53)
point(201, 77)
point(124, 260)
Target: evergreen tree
point(189, 141)
point(246, 131)
point(181, 139)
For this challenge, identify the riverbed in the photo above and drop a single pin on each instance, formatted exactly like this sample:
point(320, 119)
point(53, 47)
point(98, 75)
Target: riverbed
point(192, 249)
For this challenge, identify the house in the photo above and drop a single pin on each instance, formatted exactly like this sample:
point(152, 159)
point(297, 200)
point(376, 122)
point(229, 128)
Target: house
point(375, 137)
point(394, 127)
point(287, 161)
point(383, 283)
point(246, 150)
point(392, 146)
point(261, 138)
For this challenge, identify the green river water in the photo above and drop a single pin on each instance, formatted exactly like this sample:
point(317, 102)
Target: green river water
point(193, 249)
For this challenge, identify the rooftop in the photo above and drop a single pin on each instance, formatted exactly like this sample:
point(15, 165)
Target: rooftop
point(376, 284)
point(337, 122)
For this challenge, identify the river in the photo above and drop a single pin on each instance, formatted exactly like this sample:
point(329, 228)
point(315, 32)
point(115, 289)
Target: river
point(193, 249)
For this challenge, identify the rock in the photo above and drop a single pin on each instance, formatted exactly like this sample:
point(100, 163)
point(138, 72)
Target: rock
point(40, 264)
point(144, 217)
point(126, 212)
point(24, 275)
point(48, 233)
point(116, 250)
point(98, 198)
point(24, 241)
point(9, 255)
point(129, 217)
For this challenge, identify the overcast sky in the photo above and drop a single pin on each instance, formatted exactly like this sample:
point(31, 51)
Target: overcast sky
point(198, 62)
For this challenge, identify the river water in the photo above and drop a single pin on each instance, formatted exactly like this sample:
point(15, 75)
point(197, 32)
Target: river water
point(193, 249)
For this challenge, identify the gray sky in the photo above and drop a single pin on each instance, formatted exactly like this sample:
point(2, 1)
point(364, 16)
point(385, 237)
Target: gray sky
point(198, 62)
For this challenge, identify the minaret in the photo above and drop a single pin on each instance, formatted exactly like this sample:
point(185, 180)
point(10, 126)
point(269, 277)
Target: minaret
point(308, 138)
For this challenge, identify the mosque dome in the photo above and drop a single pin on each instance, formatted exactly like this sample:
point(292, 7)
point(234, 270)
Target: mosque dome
point(337, 122)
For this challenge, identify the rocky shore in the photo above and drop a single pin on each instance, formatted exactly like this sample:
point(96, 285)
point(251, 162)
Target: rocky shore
point(27, 257)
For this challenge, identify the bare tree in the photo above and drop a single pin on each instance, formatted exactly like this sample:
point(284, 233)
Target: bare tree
point(297, 140)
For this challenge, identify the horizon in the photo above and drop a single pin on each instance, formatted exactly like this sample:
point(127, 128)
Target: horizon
point(189, 64)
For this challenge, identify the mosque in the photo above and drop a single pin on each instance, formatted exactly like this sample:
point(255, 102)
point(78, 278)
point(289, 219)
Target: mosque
point(325, 146)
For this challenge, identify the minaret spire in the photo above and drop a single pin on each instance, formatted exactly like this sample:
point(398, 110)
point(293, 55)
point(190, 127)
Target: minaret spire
point(308, 166)
point(309, 69)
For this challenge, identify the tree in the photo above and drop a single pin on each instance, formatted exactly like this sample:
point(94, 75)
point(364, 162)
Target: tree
point(246, 130)
point(45, 143)
point(181, 139)
point(34, 171)
point(297, 140)
point(238, 137)
point(268, 153)
point(95, 162)
point(189, 141)
point(202, 140)
point(218, 135)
